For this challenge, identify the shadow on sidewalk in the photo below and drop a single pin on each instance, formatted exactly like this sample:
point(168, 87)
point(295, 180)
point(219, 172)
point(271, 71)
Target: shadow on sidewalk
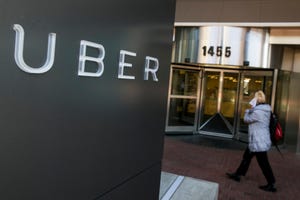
point(210, 141)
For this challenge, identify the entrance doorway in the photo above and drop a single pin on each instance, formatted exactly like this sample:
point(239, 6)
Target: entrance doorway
point(212, 100)
point(252, 81)
point(219, 102)
point(184, 90)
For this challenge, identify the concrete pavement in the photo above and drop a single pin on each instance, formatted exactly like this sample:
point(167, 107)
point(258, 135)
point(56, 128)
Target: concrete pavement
point(208, 159)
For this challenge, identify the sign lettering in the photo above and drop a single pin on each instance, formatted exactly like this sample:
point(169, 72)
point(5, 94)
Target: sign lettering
point(151, 64)
point(218, 51)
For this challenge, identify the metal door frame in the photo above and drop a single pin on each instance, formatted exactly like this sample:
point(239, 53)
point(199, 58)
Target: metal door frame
point(220, 95)
point(253, 72)
point(241, 71)
point(180, 129)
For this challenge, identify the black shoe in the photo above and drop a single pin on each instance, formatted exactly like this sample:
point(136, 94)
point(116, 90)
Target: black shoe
point(268, 188)
point(234, 176)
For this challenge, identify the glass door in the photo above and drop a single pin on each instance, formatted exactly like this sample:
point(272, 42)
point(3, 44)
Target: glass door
point(183, 99)
point(230, 98)
point(210, 95)
point(219, 102)
point(252, 81)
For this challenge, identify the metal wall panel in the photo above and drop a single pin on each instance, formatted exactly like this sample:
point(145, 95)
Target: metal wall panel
point(292, 115)
point(234, 37)
point(210, 36)
point(186, 44)
point(237, 11)
point(257, 47)
point(68, 137)
point(209, 45)
point(233, 45)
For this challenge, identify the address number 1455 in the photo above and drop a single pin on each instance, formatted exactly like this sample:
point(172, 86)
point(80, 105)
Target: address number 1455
point(218, 51)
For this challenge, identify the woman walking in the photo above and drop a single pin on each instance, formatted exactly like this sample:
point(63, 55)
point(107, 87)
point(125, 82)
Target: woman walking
point(258, 119)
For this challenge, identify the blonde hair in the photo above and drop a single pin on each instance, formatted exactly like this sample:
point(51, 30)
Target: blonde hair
point(260, 96)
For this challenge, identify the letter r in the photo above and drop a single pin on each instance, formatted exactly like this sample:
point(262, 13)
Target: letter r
point(152, 70)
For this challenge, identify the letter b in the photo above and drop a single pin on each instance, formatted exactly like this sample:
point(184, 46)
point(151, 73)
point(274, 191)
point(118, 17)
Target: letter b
point(83, 58)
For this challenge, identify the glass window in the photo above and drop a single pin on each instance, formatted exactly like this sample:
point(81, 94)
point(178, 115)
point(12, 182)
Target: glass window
point(183, 98)
point(252, 84)
point(211, 94)
point(230, 86)
point(184, 82)
point(182, 112)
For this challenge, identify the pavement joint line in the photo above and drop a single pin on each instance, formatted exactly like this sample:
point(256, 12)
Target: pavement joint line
point(173, 188)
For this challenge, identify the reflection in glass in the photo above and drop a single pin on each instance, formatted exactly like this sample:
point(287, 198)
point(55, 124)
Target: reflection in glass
point(211, 94)
point(268, 88)
point(186, 45)
point(182, 112)
point(251, 85)
point(230, 86)
point(184, 82)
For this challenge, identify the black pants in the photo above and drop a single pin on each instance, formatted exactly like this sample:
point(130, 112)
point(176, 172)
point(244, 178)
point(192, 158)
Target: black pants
point(263, 162)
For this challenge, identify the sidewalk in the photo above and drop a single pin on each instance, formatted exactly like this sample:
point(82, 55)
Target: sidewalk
point(177, 187)
point(210, 158)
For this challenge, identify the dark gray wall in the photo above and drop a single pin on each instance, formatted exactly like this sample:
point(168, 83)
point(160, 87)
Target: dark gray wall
point(237, 11)
point(292, 115)
point(67, 137)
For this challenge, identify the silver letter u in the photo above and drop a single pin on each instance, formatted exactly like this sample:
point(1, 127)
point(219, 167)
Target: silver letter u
point(19, 46)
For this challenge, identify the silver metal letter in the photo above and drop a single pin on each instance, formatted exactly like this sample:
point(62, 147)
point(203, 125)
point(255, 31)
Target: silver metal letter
point(19, 46)
point(153, 70)
point(122, 64)
point(83, 58)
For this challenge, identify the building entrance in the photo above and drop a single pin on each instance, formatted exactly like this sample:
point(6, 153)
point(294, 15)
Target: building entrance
point(219, 102)
point(211, 100)
point(252, 81)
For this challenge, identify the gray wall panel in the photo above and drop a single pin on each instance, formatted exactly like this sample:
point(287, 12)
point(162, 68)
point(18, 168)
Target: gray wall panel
point(292, 119)
point(280, 11)
point(64, 136)
point(146, 179)
point(237, 11)
point(194, 11)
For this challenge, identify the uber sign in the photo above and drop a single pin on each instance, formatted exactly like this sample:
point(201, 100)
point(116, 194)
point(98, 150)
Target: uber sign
point(19, 44)
point(83, 96)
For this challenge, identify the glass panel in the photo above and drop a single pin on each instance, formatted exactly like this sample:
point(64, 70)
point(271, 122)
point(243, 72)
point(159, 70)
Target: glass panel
point(182, 112)
point(186, 44)
point(210, 104)
point(251, 85)
point(230, 86)
point(184, 82)
point(282, 97)
point(268, 88)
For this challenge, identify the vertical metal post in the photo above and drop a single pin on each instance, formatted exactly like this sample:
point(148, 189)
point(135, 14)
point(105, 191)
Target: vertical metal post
point(273, 97)
point(169, 96)
point(220, 91)
point(198, 102)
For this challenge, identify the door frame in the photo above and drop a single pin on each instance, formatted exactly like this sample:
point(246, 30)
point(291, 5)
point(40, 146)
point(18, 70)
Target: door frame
point(231, 127)
point(242, 71)
point(180, 129)
point(253, 72)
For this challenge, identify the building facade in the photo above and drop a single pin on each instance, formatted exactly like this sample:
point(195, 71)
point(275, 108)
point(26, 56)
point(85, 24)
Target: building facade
point(224, 51)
